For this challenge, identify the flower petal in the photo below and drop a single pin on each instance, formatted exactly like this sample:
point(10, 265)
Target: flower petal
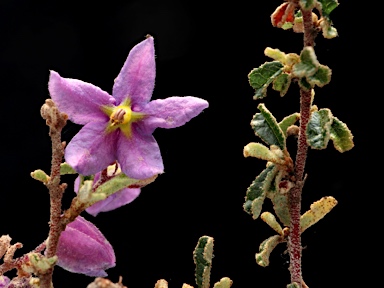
point(112, 202)
point(81, 101)
point(137, 77)
point(139, 156)
point(172, 112)
point(82, 248)
point(91, 150)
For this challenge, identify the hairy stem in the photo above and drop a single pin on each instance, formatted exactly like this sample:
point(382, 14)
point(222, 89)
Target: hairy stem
point(294, 240)
point(56, 121)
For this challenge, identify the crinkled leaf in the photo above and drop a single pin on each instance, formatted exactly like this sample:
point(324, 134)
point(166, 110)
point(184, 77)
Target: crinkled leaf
point(260, 78)
point(265, 249)
point(202, 256)
point(341, 136)
point(288, 121)
point(282, 83)
point(256, 193)
point(307, 4)
point(303, 83)
point(224, 282)
point(260, 151)
point(321, 77)
point(328, 6)
point(308, 64)
point(270, 219)
point(318, 129)
point(266, 127)
point(329, 31)
point(279, 201)
point(317, 211)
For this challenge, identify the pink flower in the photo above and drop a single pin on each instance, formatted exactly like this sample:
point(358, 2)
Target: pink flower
point(4, 280)
point(120, 127)
point(83, 249)
point(116, 200)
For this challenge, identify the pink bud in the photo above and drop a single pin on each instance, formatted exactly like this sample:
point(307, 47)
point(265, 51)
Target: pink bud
point(83, 249)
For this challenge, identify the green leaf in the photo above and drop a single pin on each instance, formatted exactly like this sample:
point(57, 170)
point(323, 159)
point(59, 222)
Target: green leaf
point(202, 256)
point(260, 78)
point(121, 181)
point(307, 4)
point(266, 127)
point(317, 211)
point(318, 129)
point(275, 54)
point(65, 168)
point(282, 83)
point(308, 64)
point(329, 31)
point(223, 283)
point(262, 152)
point(265, 249)
point(303, 83)
point(288, 121)
point(321, 77)
point(341, 136)
point(40, 175)
point(256, 193)
point(327, 6)
point(270, 219)
point(279, 200)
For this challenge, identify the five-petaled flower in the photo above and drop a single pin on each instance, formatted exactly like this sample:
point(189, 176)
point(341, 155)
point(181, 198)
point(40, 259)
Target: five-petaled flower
point(120, 127)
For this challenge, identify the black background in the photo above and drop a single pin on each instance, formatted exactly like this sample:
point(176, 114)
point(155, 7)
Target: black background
point(205, 51)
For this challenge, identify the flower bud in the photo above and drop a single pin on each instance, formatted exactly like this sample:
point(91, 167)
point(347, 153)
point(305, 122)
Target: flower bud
point(83, 249)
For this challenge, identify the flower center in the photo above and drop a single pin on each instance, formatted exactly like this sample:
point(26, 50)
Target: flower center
point(121, 115)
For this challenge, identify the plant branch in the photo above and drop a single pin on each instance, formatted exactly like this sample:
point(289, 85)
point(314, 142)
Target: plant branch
point(56, 121)
point(294, 239)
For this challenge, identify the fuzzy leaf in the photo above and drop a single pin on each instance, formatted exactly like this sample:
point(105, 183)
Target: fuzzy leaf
point(265, 249)
point(266, 127)
point(122, 181)
point(282, 83)
point(262, 152)
point(202, 256)
point(223, 283)
point(329, 31)
point(303, 83)
point(275, 54)
point(279, 201)
point(318, 129)
point(321, 77)
point(341, 136)
point(288, 121)
point(317, 211)
point(308, 64)
point(40, 175)
point(260, 78)
point(65, 168)
point(270, 219)
point(256, 193)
